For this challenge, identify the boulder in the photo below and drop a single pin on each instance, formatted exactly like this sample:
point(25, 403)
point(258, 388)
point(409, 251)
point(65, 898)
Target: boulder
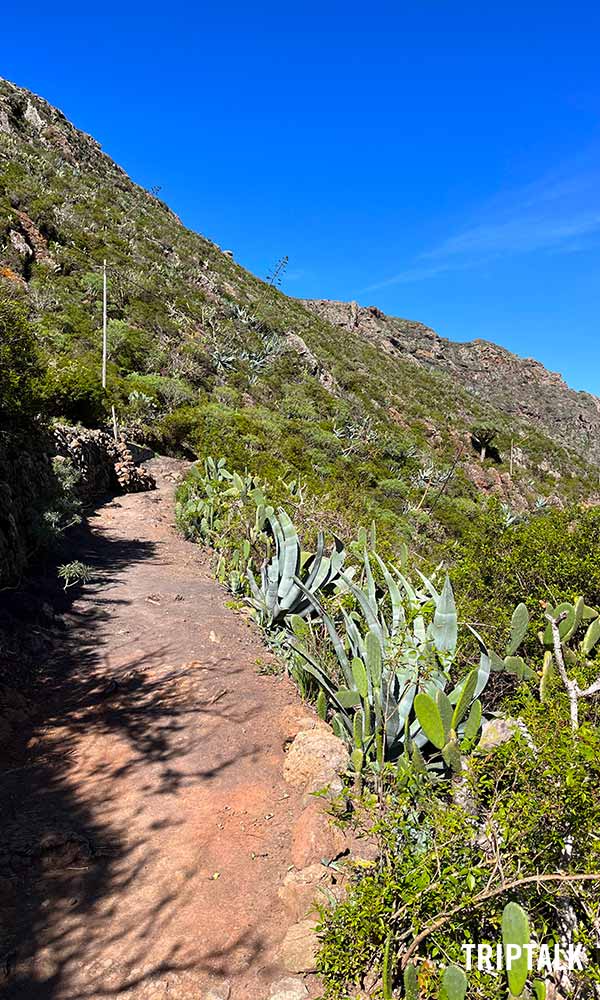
point(301, 888)
point(495, 732)
point(298, 949)
point(315, 760)
point(314, 837)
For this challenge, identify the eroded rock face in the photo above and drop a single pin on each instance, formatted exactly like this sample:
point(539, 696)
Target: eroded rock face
point(518, 386)
point(289, 988)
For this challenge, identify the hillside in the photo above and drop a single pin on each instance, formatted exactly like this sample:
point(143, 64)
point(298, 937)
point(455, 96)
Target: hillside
point(206, 358)
point(311, 697)
point(518, 386)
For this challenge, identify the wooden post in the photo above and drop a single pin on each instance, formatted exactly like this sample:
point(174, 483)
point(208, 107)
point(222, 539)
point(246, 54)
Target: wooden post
point(104, 335)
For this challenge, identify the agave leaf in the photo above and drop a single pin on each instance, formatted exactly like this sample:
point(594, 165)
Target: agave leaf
point(398, 616)
point(316, 561)
point(333, 634)
point(371, 591)
point(408, 587)
point(465, 697)
point(254, 588)
point(397, 712)
point(337, 557)
point(370, 616)
point(419, 629)
point(289, 555)
point(357, 644)
point(429, 587)
point(444, 627)
point(483, 674)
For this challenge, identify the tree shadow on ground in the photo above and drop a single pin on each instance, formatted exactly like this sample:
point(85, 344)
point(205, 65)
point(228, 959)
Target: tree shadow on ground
point(65, 858)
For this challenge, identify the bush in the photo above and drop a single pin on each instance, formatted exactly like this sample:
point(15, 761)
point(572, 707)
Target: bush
point(71, 389)
point(19, 363)
point(525, 800)
point(550, 556)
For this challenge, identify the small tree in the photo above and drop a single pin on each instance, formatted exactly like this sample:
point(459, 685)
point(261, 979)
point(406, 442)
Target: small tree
point(482, 438)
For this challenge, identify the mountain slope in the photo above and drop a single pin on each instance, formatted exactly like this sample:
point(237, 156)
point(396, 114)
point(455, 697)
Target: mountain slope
point(204, 358)
point(519, 386)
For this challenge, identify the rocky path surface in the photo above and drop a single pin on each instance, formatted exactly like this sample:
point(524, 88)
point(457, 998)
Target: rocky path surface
point(148, 842)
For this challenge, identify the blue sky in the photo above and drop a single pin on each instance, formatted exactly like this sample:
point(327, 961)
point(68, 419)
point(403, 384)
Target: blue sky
point(438, 159)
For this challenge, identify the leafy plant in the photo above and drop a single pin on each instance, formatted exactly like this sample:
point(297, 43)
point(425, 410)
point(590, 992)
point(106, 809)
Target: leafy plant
point(396, 651)
point(74, 573)
point(281, 592)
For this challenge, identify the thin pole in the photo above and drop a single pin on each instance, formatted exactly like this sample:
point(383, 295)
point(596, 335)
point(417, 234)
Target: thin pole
point(104, 336)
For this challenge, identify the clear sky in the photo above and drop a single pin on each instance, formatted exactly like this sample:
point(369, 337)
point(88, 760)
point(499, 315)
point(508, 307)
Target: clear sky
point(438, 159)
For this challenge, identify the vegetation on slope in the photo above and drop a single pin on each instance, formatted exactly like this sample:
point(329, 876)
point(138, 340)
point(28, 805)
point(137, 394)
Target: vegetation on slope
point(204, 358)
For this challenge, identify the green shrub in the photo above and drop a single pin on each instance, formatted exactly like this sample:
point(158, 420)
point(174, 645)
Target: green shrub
point(526, 799)
point(19, 363)
point(549, 557)
point(72, 389)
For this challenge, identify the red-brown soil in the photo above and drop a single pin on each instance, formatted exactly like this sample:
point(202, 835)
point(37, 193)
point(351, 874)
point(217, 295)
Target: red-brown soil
point(147, 830)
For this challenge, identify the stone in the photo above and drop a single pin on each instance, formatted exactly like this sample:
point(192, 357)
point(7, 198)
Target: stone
point(315, 760)
point(314, 837)
point(220, 992)
point(297, 718)
point(301, 888)
point(495, 732)
point(289, 988)
point(298, 949)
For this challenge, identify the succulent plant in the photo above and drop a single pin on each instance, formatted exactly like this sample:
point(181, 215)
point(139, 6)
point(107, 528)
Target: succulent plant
point(281, 592)
point(394, 698)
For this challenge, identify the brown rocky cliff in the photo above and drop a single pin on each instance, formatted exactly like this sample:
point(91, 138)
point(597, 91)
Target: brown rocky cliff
point(517, 386)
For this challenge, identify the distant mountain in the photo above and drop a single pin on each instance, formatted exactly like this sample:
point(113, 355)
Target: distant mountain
point(204, 357)
point(518, 386)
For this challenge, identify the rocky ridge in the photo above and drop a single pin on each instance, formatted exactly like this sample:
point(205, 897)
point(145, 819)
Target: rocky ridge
point(519, 386)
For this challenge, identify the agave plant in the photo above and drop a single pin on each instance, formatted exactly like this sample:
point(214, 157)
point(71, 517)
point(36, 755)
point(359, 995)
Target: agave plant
point(394, 698)
point(281, 592)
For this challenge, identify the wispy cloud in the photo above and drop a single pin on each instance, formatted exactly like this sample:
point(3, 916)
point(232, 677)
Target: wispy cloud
point(559, 213)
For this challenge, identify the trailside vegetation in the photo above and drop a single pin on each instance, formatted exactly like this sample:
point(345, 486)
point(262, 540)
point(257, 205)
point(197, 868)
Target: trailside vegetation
point(474, 745)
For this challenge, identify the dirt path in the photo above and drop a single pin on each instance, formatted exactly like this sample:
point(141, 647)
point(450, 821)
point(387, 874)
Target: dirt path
point(155, 831)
